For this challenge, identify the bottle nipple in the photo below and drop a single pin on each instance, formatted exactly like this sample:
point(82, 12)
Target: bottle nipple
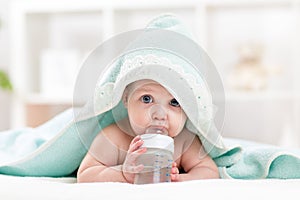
point(156, 130)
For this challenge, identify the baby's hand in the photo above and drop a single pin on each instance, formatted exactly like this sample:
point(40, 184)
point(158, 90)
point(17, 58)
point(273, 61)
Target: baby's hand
point(174, 172)
point(130, 168)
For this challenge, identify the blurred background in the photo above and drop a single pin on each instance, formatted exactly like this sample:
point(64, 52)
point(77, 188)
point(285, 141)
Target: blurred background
point(255, 45)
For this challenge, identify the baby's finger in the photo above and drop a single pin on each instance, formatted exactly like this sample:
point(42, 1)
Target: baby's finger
point(175, 170)
point(135, 144)
point(132, 156)
point(174, 177)
point(174, 164)
point(135, 139)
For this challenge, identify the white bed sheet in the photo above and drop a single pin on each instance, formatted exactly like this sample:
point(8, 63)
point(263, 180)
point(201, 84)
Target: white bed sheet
point(66, 188)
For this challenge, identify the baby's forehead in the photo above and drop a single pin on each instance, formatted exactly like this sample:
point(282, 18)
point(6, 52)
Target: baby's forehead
point(144, 85)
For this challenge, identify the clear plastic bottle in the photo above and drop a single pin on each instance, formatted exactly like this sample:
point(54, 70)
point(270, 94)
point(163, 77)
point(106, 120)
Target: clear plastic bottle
point(158, 159)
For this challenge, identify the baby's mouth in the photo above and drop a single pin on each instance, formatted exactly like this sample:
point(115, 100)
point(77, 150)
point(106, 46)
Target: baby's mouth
point(157, 129)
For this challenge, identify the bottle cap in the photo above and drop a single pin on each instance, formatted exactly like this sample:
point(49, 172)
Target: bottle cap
point(158, 141)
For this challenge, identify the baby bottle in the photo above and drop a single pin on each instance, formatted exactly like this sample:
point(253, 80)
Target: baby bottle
point(158, 159)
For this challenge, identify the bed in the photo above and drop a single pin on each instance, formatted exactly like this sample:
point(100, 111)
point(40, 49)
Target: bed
point(33, 188)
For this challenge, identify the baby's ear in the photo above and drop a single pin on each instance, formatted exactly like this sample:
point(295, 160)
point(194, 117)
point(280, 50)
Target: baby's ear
point(125, 98)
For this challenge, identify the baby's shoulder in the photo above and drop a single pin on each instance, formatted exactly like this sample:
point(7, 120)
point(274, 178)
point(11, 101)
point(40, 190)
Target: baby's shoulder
point(186, 138)
point(114, 133)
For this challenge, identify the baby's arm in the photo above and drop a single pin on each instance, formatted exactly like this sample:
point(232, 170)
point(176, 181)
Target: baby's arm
point(197, 164)
point(101, 162)
point(91, 170)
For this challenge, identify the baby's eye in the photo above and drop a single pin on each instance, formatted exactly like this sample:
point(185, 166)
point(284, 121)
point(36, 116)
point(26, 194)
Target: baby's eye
point(174, 103)
point(146, 99)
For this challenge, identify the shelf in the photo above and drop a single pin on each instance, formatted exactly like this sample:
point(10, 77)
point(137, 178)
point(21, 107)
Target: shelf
point(261, 96)
point(37, 114)
point(48, 100)
point(247, 3)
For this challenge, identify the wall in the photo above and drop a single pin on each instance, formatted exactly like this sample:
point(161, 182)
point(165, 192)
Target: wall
point(4, 63)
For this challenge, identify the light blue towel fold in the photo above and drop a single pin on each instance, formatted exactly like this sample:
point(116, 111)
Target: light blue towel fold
point(259, 161)
point(52, 149)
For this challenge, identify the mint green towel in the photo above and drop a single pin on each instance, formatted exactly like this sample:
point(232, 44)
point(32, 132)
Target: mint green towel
point(260, 161)
point(164, 52)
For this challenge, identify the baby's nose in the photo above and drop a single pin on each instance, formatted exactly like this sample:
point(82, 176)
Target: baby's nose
point(158, 112)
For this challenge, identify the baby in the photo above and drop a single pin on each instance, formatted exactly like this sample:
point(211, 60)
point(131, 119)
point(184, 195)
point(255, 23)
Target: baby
point(115, 149)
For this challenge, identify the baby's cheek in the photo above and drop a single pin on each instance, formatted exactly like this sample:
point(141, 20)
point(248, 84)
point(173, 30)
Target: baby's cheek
point(178, 124)
point(138, 123)
point(141, 118)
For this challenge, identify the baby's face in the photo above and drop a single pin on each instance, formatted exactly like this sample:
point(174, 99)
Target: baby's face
point(150, 104)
